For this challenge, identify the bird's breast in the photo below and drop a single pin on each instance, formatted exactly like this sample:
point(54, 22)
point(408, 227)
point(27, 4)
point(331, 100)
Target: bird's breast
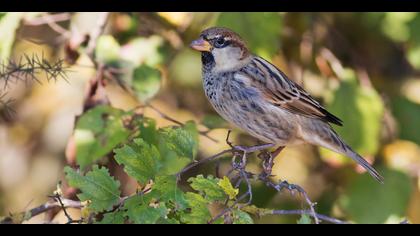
point(243, 105)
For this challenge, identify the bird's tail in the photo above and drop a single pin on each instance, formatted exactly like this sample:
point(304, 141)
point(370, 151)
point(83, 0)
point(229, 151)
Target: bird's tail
point(359, 159)
point(335, 143)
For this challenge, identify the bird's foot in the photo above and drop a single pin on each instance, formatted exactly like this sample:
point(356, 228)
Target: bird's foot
point(268, 161)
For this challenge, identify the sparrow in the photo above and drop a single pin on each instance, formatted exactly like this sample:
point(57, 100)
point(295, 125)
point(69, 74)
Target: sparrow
point(257, 97)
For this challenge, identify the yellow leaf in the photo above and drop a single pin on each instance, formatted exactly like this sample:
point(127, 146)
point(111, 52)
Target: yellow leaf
point(227, 187)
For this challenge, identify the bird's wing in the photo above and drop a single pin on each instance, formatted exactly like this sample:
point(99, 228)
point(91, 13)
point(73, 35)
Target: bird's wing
point(283, 92)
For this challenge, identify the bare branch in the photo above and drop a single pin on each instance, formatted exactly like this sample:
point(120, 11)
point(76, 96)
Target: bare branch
point(48, 18)
point(166, 117)
point(97, 31)
point(309, 212)
point(63, 204)
point(51, 20)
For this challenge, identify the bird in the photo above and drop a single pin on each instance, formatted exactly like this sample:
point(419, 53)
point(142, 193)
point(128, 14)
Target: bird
point(254, 95)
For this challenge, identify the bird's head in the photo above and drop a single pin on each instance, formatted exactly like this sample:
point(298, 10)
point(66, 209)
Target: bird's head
point(222, 49)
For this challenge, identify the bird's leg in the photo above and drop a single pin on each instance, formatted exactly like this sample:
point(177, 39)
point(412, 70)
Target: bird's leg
point(227, 139)
point(277, 151)
point(268, 160)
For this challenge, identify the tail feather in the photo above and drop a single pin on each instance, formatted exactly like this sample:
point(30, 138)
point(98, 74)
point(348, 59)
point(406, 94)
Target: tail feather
point(335, 143)
point(361, 161)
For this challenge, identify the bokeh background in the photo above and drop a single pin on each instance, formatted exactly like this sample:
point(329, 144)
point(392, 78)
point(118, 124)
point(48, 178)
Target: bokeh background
point(364, 67)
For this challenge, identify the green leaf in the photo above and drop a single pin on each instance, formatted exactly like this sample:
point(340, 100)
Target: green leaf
point(9, 23)
point(304, 220)
point(178, 147)
point(144, 50)
point(107, 49)
point(199, 212)
point(148, 131)
point(208, 187)
point(97, 132)
point(214, 122)
point(182, 140)
point(185, 69)
point(116, 217)
point(227, 187)
point(241, 217)
point(146, 82)
point(369, 202)
point(413, 56)
point(168, 191)
point(407, 114)
point(140, 159)
point(395, 25)
point(144, 210)
point(264, 44)
point(361, 109)
point(96, 186)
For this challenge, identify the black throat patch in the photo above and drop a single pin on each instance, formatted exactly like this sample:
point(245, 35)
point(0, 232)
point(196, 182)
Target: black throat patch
point(208, 60)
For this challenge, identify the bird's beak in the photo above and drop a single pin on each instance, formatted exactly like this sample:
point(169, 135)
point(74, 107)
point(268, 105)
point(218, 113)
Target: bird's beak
point(201, 45)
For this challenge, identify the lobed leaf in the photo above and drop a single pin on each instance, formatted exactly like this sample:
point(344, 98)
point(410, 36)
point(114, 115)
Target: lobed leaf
point(97, 186)
point(227, 187)
point(140, 159)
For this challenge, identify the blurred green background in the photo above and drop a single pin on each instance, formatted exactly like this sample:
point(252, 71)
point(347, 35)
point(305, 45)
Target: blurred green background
point(364, 67)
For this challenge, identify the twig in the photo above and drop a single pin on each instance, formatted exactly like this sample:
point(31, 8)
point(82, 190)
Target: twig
point(308, 212)
point(65, 203)
point(48, 18)
point(291, 187)
point(28, 68)
point(57, 197)
point(166, 117)
point(6, 106)
point(202, 161)
point(97, 31)
point(268, 162)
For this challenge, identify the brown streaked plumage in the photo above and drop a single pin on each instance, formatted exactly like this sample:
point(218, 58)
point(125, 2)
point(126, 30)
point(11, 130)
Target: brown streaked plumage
point(256, 96)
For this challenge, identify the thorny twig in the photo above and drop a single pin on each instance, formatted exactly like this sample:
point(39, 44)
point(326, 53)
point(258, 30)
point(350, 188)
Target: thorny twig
point(29, 68)
point(6, 109)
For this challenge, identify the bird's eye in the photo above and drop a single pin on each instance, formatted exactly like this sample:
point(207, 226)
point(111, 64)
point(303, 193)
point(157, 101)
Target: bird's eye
point(220, 42)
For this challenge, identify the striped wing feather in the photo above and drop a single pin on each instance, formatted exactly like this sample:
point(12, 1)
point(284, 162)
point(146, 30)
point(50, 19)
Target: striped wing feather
point(283, 92)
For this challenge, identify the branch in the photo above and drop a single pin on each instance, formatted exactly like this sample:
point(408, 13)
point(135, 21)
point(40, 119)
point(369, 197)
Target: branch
point(96, 32)
point(51, 20)
point(239, 162)
point(29, 68)
point(6, 109)
point(310, 213)
point(48, 18)
point(62, 203)
point(202, 161)
point(166, 117)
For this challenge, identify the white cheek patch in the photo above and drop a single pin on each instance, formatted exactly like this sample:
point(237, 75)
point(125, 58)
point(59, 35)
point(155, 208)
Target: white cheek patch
point(227, 58)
